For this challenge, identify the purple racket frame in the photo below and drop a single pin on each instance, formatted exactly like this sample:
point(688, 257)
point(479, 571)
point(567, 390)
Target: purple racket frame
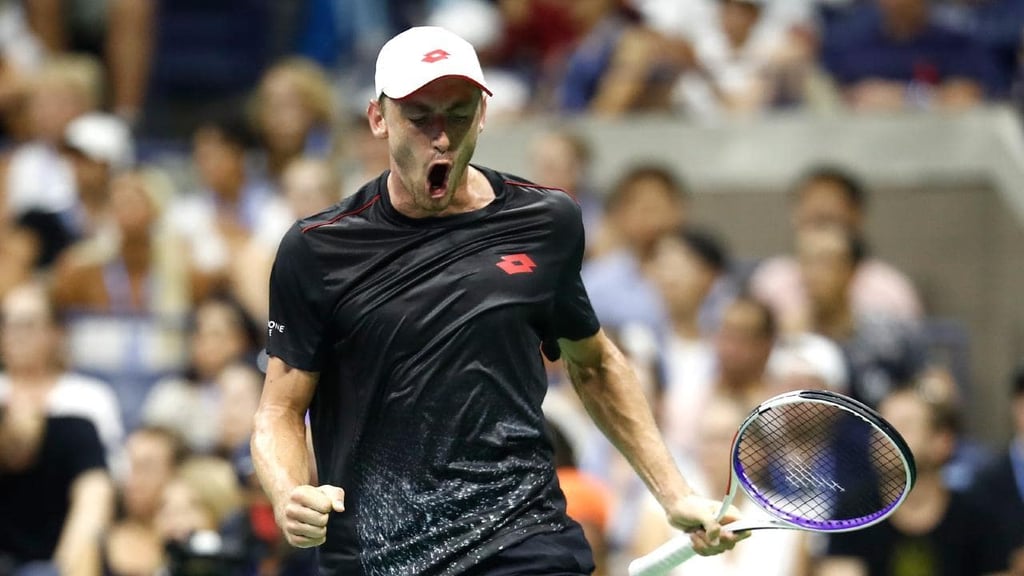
point(788, 520)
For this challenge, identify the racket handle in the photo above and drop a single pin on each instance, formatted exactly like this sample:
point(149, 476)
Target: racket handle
point(664, 558)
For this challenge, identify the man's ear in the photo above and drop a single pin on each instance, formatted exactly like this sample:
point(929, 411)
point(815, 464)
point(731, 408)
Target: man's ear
point(483, 113)
point(375, 116)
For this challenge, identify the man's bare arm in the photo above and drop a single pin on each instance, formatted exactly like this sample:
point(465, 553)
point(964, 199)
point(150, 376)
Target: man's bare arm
point(608, 387)
point(282, 457)
point(279, 449)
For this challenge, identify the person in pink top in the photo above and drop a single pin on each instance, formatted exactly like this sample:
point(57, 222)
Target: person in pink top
point(829, 195)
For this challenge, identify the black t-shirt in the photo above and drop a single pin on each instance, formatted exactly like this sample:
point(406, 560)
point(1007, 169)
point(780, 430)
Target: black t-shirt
point(427, 336)
point(34, 502)
point(961, 545)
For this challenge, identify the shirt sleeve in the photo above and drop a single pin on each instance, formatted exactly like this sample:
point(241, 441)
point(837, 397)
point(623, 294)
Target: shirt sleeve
point(295, 332)
point(79, 442)
point(573, 317)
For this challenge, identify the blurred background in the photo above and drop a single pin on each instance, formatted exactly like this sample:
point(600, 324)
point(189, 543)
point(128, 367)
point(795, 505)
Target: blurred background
point(778, 194)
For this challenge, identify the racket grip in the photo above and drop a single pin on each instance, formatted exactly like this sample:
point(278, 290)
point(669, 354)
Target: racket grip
point(664, 558)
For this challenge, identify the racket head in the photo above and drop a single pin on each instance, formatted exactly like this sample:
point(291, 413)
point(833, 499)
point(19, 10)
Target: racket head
point(821, 461)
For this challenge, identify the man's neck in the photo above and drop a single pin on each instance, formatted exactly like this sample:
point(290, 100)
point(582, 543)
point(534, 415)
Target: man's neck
point(685, 325)
point(835, 322)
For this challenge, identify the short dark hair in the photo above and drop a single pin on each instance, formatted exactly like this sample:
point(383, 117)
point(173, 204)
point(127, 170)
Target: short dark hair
point(564, 455)
point(851, 186)
point(706, 246)
point(623, 188)
point(231, 128)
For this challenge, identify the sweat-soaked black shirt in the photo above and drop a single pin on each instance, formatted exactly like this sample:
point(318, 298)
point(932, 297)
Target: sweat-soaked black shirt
point(427, 335)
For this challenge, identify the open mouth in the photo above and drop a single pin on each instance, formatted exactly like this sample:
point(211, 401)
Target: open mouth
point(437, 179)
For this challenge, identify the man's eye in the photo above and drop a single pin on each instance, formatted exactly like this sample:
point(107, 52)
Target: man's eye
point(418, 120)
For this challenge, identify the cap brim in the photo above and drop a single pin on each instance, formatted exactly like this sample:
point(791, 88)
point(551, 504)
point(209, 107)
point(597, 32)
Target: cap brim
point(405, 92)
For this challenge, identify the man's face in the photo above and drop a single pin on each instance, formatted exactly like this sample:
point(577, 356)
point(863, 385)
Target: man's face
point(910, 416)
point(431, 134)
point(555, 163)
point(28, 335)
point(824, 202)
point(683, 279)
point(651, 211)
point(150, 466)
point(825, 265)
point(742, 344)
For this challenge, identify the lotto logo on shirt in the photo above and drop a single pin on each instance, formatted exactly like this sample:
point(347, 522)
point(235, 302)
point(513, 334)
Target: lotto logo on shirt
point(272, 326)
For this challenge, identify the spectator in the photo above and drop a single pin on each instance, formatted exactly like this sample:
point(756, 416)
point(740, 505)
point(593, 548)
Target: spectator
point(769, 553)
point(36, 177)
point(295, 113)
point(309, 186)
point(1001, 486)
point(743, 344)
point(561, 158)
point(919, 534)
point(56, 495)
point(832, 196)
point(30, 347)
point(232, 207)
point(200, 517)
point(645, 204)
point(882, 351)
point(222, 335)
point(121, 31)
point(897, 56)
point(616, 67)
point(133, 546)
point(126, 306)
point(745, 57)
point(98, 147)
point(685, 267)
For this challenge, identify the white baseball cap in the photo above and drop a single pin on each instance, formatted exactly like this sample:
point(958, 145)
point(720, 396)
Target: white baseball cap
point(102, 138)
point(420, 55)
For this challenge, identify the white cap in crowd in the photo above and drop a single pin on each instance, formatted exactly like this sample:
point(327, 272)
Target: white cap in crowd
point(809, 355)
point(103, 138)
point(420, 55)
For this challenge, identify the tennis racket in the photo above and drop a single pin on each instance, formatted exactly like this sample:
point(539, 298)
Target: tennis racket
point(813, 460)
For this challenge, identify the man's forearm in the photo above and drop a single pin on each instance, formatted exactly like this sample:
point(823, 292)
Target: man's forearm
point(279, 452)
point(611, 394)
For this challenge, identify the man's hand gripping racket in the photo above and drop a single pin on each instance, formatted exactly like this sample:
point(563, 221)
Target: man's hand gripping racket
point(792, 456)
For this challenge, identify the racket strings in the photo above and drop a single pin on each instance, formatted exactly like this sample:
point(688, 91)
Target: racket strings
point(813, 464)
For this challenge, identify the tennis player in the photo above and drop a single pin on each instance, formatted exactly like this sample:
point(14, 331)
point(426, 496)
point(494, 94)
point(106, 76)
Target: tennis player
point(410, 321)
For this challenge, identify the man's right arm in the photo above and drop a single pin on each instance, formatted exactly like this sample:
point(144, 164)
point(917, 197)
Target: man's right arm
point(281, 456)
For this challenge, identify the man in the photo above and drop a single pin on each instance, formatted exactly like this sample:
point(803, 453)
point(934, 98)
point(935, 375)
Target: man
point(409, 320)
point(935, 531)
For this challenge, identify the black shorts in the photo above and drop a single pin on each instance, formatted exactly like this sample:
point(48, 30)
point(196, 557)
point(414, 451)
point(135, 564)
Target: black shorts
point(564, 553)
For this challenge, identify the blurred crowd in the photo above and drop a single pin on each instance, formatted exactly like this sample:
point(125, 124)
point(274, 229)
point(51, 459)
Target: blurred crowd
point(154, 153)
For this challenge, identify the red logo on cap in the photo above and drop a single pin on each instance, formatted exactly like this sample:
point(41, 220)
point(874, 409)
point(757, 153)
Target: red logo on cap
point(435, 56)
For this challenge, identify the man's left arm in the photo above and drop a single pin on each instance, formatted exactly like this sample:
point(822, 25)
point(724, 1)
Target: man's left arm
point(608, 387)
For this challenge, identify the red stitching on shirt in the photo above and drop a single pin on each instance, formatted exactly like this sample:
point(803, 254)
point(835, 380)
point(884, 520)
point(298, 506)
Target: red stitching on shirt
point(342, 215)
point(531, 185)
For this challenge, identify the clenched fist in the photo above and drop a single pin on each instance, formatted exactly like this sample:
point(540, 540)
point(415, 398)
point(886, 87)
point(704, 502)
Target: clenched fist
point(304, 516)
